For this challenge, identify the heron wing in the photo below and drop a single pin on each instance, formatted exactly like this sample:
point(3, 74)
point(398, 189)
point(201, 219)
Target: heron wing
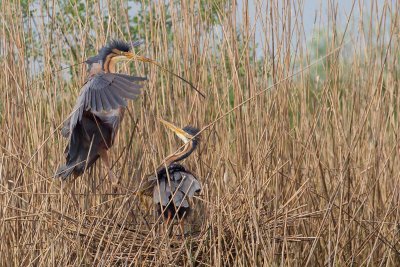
point(189, 184)
point(161, 193)
point(180, 199)
point(65, 129)
point(105, 92)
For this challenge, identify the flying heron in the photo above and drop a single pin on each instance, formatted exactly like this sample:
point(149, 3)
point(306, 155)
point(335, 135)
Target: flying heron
point(99, 110)
point(173, 184)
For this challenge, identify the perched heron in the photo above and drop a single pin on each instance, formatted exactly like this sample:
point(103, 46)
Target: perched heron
point(99, 110)
point(173, 184)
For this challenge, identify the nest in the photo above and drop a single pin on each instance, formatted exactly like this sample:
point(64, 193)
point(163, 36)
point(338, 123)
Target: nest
point(114, 242)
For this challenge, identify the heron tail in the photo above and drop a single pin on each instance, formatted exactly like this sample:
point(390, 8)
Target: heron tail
point(64, 171)
point(83, 148)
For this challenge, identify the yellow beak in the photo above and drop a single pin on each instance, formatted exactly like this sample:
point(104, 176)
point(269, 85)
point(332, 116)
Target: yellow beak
point(184, 136)
point(131, 55)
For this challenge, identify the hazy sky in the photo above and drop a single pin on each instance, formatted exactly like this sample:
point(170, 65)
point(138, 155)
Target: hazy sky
point(315, 15)
point(313, 8)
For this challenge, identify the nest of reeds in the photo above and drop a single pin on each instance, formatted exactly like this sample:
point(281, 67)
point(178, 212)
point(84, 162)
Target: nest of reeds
point(109, 241)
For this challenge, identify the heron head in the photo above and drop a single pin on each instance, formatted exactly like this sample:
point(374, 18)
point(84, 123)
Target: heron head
point(117, 50)
point(114, 51)
point(186, 134)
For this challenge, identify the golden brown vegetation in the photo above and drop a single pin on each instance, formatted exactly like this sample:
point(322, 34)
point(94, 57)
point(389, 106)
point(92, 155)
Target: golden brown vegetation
point(306, 173)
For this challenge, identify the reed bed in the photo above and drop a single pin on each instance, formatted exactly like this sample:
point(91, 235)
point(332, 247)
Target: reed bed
point(299, 157)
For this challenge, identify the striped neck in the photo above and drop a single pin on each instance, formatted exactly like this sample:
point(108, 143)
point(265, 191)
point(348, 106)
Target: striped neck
point(184, 153)
point(109, 63)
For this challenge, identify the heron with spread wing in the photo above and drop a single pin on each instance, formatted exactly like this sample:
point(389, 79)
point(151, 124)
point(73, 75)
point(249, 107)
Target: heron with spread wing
point(173, 184)
point(99, 110)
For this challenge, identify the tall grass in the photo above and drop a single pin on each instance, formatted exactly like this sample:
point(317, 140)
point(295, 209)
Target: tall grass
point(305, 173)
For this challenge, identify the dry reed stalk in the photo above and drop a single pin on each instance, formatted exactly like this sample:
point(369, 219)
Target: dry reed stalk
point(305, 172)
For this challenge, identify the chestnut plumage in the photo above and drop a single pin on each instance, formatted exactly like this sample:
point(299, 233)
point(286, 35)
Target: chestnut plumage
point(98, 112)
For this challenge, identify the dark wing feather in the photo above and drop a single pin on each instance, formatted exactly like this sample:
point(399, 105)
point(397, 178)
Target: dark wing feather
point(110, 100)
point(99, 103)
point(125, 93)
point(127, 86)
point(104, 100)
point(118, 99)
point(131, 78)
point(103, 92)
point(65, 128)
point(92, 105)
point(87, 98)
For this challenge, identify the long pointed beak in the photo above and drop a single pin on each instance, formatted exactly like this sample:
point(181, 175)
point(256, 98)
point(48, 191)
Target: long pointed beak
point(133, 56)
point(178, 131)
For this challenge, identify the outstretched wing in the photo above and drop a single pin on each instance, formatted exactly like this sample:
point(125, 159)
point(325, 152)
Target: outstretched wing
point(104, 92)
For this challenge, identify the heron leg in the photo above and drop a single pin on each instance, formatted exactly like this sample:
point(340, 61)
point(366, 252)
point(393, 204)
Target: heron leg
point(182, 226)
point(104, 157)
point(168, 230)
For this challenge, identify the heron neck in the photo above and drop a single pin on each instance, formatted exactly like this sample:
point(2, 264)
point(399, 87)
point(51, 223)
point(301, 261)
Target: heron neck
point(184, 153)
point(109, 64)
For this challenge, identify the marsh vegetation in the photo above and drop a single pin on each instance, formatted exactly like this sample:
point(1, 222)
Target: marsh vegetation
point(299, 158)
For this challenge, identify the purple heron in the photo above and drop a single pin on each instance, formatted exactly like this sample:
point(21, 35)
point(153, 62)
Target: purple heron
point(92, 126)
point(173, 184)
